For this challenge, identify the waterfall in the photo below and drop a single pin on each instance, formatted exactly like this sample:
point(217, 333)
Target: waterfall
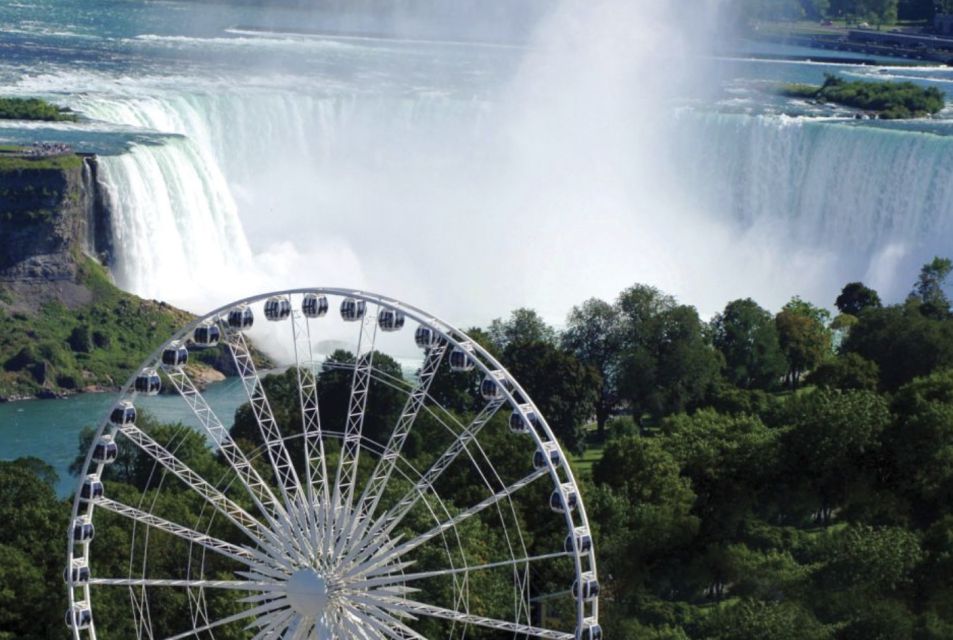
point(176, 232)
point(877, 197)
point(282, 186)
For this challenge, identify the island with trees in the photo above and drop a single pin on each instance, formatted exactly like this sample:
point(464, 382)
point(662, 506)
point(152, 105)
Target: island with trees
point(884, 100)
point(34, 109)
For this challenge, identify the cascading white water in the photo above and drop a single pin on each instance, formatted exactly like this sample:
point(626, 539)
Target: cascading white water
point(875, 199)
point(571, 173)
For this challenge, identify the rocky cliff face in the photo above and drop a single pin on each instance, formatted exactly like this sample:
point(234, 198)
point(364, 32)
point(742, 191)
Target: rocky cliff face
point(51, 214)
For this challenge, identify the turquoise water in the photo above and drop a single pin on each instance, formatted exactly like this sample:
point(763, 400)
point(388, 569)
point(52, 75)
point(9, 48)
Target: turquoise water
point(49, 429)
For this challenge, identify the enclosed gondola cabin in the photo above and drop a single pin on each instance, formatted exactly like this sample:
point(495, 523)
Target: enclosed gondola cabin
point(583, 541)
point(590, 587)
point(461, 358)
point(390, 320)
point(106, 450)
point(520, 425)
point(277, 308)
point(148, 382)
point(539, 458)
point(241, 318)
point(92, 488)
point(491, 388)
point(314, 306)
point(82, 529)
point(426, 337)
point(207, 335)
point(590, 630)
point(560, 505)
point(79, 616)
point(123, 413)
point(175, 355)
point(77, 574)
point(352, 310)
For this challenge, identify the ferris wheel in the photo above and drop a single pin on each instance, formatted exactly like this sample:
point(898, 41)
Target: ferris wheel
point(354, 497)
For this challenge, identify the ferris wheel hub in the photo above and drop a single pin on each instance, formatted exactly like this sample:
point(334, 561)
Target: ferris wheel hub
point(307, 592)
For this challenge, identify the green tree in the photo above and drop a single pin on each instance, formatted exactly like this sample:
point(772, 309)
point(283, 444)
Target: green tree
point(921, 445)
point(829, 446)
point(593, 335)
point(728, 460)
point(804, 336)
point(848, 371)
point(928, 289)
point(667, 365)
point(747, 338)
point(903, 342)
point(523, 325)
point(755, 620)
point(32, 602)
point(642, 507)
point(855, 297)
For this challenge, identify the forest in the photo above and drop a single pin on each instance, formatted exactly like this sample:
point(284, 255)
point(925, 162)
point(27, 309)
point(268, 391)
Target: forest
point(755, 476)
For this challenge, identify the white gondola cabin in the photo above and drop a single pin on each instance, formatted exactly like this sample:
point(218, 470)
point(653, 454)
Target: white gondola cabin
point(92, 488)
point(520, 425)
point(79, 616)
point(590, 587)
point(564, 499)
point(491, 388)
point(241, 318)
point(207, 334)
point(390, 320)
point(82, 529)
point(175, 355)
point(277, 308)
point(148, 382)
point(426, 337)
point(461, 358)
point(314, 306)
point(583, 541)
point(123, 413)
point(106, 450)
point(77, 574)
point(590, 630)
point(352, 310)
point(550, 451)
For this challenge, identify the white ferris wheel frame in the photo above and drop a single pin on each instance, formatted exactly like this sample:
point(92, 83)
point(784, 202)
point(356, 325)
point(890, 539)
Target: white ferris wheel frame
point(512, 393)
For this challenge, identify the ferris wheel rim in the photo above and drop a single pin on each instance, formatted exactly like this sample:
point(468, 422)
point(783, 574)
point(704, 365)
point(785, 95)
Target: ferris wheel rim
point(512, 394)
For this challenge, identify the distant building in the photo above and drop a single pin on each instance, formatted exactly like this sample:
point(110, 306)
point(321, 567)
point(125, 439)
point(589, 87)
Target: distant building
point(943, 24)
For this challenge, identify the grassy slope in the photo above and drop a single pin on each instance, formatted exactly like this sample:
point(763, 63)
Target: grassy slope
point(20, 163)
point(62, 350)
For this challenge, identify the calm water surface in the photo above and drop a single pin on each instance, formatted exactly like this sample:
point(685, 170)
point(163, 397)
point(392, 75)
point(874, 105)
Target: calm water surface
point(49, 429)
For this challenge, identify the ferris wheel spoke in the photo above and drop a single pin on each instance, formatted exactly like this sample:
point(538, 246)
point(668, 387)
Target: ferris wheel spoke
point(357, 404)
point(260, 610)
point(420, 609)
point(393, 516)
point(247, 523)
point(400, 578)
point(235, 585)
point(385, 555)
point(227, 549)
point(395, 444)
point(355, 628)
point(384, 623)
point(281, 463)
point(316, 473)
point(275, 624)
point(257, 488)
